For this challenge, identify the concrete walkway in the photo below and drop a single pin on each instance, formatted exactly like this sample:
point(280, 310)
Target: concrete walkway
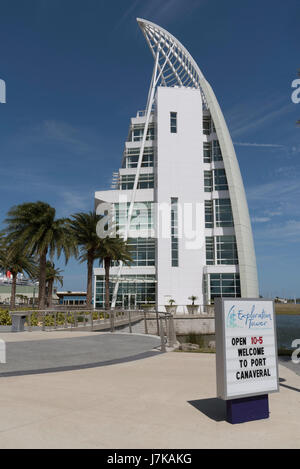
point(42, 352)
point(165, 401)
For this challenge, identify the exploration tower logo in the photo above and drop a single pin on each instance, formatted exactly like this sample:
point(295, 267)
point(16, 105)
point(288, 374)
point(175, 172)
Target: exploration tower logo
point(2, 92)
point(250, 319)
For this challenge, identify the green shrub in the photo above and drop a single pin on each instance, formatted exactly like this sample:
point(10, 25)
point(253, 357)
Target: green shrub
point(5, 319)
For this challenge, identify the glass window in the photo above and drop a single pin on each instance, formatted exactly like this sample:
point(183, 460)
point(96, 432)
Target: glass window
point(220, 180)
point(206, 125)
point(225, 285)
point(223, 213)
point(208, 181)
point(132, 157)
point(174, 232)
point(146, 181)
point(207, 152)
point(216, 151)
point(209, 215)
point(142, 216)
point(173, 122)
point(210, 250)
point(142, 286)
point(226, 250)
point(137, 131)
point(142, 251)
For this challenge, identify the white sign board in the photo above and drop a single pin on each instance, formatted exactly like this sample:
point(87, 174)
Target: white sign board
point(246, 347)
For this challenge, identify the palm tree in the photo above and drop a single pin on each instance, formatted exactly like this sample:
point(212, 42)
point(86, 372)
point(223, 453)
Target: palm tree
point(53, 275)
point(83, 227)
point(14, 260)
point(33, 225)
point(112, 249)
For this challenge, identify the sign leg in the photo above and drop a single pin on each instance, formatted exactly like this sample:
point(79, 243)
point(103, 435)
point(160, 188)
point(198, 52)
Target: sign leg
point(247, 408)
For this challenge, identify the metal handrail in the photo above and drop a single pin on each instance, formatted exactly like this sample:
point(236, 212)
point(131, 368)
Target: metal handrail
point(110, 319)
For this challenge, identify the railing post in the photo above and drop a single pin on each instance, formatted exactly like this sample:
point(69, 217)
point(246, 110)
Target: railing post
point(171, 331)
point(145, 320)
point(157, 321)
point(92, 324)
point(66, 320)
point(129, 321)
point(162, 336)
point(55, 323)
point(112, 322)
point(43, 321)
point(29, 322)
point(168, 332)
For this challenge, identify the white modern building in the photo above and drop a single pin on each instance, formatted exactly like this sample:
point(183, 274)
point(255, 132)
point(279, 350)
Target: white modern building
point(179, 197)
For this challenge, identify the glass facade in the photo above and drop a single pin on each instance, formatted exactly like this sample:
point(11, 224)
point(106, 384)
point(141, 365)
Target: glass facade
point(142, 251)
point(208, 181)
point(146, 181)
point(216, 151)
point(223, 213)
point(209, 214)
point(206, 125)
point(225, 285)
point(221, 250)
point(137, 131)
point(215, 180)
point(142, 216)
point(207, 152)
point(132, 156)
point(141, 289)
point(220, 180)
point(210, 250)
point(174, 232)
point(212, 151)
point(173, 122)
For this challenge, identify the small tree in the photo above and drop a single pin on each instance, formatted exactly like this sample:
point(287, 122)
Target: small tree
point(33, 226)
point(14, 260)
point(83, 227)
point(53, 275)
point(193, 299)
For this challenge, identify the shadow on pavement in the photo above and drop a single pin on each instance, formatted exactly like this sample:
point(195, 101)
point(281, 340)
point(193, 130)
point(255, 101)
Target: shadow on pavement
point(213, 408)
point(281, 380)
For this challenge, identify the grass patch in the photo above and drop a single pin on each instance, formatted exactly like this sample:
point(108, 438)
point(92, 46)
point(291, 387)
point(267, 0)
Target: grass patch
point(288, 308)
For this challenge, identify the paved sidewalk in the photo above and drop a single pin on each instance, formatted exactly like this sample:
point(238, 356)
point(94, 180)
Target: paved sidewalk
point(42, 352)
point(166, 401)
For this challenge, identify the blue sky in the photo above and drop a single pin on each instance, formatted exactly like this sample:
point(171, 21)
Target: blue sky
point(76, 71)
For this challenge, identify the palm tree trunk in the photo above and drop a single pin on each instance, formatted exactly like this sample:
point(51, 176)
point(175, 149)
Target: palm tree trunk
point(42, 280)
point(106, 268)
point(50, 293)
point(13, 291)
point(89, 288)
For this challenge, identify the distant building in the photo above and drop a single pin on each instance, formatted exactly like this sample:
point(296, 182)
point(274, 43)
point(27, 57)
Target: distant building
point(71, 298)
point(25, 294)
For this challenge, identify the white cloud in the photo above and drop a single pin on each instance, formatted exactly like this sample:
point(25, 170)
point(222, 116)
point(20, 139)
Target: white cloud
point(260, 219)
point(268, 145)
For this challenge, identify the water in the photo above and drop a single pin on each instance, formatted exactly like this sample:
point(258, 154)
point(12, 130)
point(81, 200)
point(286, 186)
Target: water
point(288, 329)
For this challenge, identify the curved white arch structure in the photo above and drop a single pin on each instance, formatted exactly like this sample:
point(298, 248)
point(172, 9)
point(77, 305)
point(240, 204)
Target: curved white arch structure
point(176, 67)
